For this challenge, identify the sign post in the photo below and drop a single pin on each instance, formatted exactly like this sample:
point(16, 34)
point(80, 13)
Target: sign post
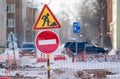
point(48, 66)
point(76, 30)
point(47, 42)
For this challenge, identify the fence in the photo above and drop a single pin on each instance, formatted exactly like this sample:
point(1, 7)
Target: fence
point(107, 58)
point(86, 66)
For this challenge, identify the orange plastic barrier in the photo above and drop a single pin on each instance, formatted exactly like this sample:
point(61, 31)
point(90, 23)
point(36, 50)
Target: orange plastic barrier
point(5, 78)
point(41, 60)
point(59, 57)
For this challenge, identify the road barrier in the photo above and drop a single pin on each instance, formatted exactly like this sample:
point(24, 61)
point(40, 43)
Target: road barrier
point(5, 78)
point(59, 57)
point(56, 58)
point(41, 60)
point(92, 57)
point(106, 62)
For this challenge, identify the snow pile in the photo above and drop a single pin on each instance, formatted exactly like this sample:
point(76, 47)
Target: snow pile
point(9, 54)
point(112, 52)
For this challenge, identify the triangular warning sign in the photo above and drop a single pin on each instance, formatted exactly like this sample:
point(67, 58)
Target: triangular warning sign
point(46, 20)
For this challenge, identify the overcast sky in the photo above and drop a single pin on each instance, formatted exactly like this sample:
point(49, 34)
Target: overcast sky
point(57, 6)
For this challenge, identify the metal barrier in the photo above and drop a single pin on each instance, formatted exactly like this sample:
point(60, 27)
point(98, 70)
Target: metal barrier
point(105, 65)
point(92, 57)
point(59, 57)
point(41, 60)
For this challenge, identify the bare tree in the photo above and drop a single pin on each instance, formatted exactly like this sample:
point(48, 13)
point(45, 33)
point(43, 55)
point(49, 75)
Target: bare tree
point(64, 32)
point(93, 17)
point(102, 12)
point(90, 21)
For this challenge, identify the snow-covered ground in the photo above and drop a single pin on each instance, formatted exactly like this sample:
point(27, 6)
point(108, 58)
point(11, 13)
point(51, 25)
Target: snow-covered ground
point(9, 54)
point(60, 64)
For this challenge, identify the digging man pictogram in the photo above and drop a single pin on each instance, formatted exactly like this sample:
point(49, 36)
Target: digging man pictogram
point(45, 19)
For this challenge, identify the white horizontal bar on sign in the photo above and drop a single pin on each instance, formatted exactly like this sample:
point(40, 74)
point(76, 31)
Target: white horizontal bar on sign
point(47, 42)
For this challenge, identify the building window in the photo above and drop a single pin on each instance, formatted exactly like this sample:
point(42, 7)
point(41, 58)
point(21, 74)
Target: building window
point(10, 8)
point(10, 22)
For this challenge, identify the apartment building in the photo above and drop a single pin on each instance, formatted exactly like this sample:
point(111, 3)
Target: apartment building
point(20, 19)
point(14, 19)
point(2, 23)
point(30, 19)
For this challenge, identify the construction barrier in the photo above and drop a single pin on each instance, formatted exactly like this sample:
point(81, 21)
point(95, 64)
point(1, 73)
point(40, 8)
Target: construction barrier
point(92, 57)
point(59, 57)
point(41, 60)
point(5, 78)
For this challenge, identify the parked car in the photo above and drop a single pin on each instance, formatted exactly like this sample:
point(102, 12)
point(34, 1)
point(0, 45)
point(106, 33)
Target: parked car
point(27, 49)
point(87, 47)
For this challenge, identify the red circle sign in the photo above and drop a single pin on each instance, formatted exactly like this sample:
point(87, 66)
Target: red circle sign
point(47, 41)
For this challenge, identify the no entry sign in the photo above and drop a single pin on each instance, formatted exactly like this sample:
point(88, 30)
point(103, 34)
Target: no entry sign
point(47, 41)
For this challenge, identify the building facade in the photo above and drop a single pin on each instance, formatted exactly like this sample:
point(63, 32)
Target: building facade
point(14, 19)
point(30, 20)
point(2, 23)
point(118, 24)
point(20, 19)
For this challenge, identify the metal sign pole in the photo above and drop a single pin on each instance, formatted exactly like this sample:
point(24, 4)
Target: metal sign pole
point(47, 40)
point(76, 47)
point(76, 30)
point(48, 66)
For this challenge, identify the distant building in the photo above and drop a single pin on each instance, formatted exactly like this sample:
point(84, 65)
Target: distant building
point(17, 20)
point(14, 19)
point(2, 23)
point(30, 20)
point(118, 24)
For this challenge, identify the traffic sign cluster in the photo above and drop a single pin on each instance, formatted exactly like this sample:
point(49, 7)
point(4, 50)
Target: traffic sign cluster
point(46, 41)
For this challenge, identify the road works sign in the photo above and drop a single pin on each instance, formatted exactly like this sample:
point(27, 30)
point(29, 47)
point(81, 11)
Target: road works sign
point(46, 20)
point(47, 41)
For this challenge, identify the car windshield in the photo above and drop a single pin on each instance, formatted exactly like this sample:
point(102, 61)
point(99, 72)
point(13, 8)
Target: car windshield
point(28, 46)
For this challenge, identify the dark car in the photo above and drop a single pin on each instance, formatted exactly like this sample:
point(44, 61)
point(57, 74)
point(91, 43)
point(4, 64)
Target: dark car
point(27, 49)
point(87, 47)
